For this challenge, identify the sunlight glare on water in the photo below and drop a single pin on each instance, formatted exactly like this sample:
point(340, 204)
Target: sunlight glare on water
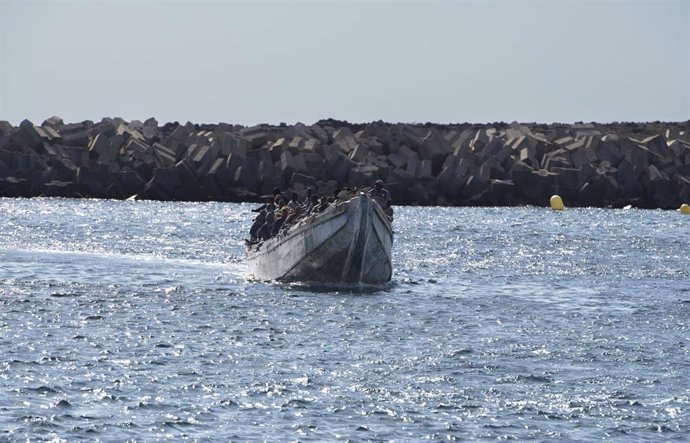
point(139, 320)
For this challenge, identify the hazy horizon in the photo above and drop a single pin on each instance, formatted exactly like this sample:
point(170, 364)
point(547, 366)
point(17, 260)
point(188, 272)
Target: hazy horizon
point(303, 61)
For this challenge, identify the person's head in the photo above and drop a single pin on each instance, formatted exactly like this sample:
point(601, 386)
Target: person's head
point(294, 197)
point(379, 184)
point(276, 191)
point(314, 199)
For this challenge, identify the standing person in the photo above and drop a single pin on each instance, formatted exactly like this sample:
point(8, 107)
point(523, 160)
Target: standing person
point(383, 198)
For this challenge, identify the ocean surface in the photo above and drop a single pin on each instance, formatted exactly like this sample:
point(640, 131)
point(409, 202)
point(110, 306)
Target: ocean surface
point(138, 321)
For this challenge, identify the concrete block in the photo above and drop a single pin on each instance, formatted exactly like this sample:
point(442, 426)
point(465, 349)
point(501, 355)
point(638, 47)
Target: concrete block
point(344, 138)
point(502, 152)
point(484, 172)
point(567, 178)
point(413, 164)
point(130, 133)
point(49, 134)
point(656, 144)
point(186, 172)
point(462, 142)
point(234, 161)
point(53, 122)
point(276, 149)
point(558, 158)
point(91, 181)
point(14, 187)
point(474, 189)
point(106, 149)
point(433, 147)
point(219, 180)
point(204, 158)
point(680, 149)
point(319, 133)
point(305, 180)
point(180, 134)
point(290, 164)
point(480, 139)
point(582, 130)
point(229, 143)
point(338, 167)
point(163, 184)
point(359, 153)
point(609, 151)
point(314, 165)
point(638, 156)
point(162, 155)
point(362, 175)
point(25, 139)
point(592, 143)
point(408, 152)
point(128, 183)
point(451, 136)
point(501, 192)
point(75, 128)
point(295, 145)
point(246, 178)
point(78, 139)
point(78, 156)
point(402, 176)
point(563, 141)
point(311, 146)
point(582, 155)
point(256, 136)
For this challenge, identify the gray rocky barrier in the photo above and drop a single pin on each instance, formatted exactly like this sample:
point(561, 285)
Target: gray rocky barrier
point(640, 164)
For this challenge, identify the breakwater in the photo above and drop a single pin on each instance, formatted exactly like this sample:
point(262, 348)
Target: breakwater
point(640, 164)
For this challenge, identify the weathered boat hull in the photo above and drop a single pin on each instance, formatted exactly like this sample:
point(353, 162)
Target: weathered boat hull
point(350, 242)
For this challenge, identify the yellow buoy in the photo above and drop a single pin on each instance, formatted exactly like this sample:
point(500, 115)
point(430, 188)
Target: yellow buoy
point(556, 203)
point(685, 208)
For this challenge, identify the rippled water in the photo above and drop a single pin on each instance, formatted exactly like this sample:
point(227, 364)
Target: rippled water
point(137, 320)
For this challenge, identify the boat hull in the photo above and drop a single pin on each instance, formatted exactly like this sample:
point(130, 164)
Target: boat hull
point(348, 243)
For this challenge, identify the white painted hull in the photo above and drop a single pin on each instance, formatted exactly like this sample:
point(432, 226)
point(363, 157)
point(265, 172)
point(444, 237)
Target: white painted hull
point(350, 242)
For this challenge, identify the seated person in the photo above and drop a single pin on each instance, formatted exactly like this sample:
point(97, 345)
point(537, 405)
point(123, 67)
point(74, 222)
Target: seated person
point(258, 222)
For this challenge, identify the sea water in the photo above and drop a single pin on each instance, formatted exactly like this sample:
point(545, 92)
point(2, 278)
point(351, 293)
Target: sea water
point(139, 321)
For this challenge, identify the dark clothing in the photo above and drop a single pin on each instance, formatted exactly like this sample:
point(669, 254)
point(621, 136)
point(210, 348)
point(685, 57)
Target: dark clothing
point(382, 196)
point(276, 226)
point(254, 230)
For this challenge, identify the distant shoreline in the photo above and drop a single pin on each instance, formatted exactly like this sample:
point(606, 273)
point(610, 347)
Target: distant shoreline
point(645, 165)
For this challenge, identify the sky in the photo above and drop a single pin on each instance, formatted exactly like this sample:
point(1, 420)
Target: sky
point(301, 61)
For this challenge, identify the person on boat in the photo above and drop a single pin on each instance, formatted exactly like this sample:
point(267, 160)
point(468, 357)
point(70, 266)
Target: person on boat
point(323, 204)
point(313, 204)
point(278, 197)
point(264, 232)
point(258, 222)
point(383, 198)
point(294, 199)
point(279, 220)
point(294, 210)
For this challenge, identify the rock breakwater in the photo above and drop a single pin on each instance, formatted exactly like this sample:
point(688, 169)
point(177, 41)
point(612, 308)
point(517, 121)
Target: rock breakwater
point(640, 164)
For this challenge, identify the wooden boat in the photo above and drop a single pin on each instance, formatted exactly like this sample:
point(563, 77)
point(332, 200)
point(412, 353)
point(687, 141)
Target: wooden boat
point(349, 242)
